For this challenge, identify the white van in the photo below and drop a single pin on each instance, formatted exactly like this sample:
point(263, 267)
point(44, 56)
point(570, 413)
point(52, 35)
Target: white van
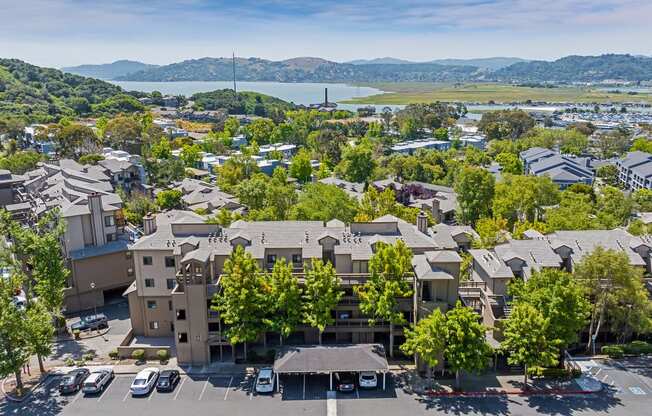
point(265, 380)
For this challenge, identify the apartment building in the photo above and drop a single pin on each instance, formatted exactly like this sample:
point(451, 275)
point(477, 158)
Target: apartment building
point(94, 243)
point(635, 170)
point(564, 170)
point(494, 269)
point(200, 195)
point(179, 262)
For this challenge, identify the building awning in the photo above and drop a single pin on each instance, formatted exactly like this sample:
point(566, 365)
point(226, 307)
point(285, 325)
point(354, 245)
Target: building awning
point(326, 359)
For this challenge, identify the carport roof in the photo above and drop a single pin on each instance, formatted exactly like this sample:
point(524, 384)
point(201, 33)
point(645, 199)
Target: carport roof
point(331, 358)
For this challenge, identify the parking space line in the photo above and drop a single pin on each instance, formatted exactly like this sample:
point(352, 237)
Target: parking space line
point(180, 387)
point(606, 376)
point(204, 389)
point(105, 390)
point(597, 372)
point(304, 386)
point(357, 393)
point(124, 399)
point(74, 399)
point(152, 393)
point(228, 388)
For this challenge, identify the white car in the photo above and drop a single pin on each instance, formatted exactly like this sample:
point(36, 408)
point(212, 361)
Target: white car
point(145, 381)
point(265, 381)
point(368, 380)
point(97, 380)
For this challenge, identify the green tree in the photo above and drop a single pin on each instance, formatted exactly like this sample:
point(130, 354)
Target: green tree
point(613, 208)
point(510, 163)
point(643, 200)
point(190, 155)
point(492, 231)
point(505, 124)
point(427, 340)
point(523, 198)
point(235, 170)
point(389, 268)
point(475, 190)
point(90, 159)
point(301, 166)
point(169, 199)
point(285, 296)
point(466, 345)
point(321, 202)
point(243, 300)
point(641, 144)
point(328, 143)
point(75, 140)
point(575, 212)
point(526, 339)
point(121, 130)
point(358, 162)
point(615, 288)
point(560, 299)
point(20, 162)
point(39, 331)
point(321, 295)
point(231, 126)
point(260, 130)
point(609, 174)
point(161, 149)
point(14, 346)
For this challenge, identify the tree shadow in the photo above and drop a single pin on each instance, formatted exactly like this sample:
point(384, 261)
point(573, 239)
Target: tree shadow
point(494, 405)
point(601, 402)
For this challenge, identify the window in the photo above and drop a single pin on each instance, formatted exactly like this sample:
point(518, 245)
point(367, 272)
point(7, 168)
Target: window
point(169, 261)
point(128, 255)
point(181, 314)
point(109, 221)
point(197, 269)
point(271, 258)
point(170, 283)
point(296, 258)
point(147, 260)
point(130, 271)
point(213, 327)
point(151, 304)
point(149, 282)
point(110, 237)
point(183, 337)
point(171, 326)
point(153, 325)
point(169, 305)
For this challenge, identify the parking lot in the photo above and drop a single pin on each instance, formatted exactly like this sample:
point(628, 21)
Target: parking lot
point(308, 395)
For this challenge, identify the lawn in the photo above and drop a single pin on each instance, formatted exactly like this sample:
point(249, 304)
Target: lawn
point(413, 92)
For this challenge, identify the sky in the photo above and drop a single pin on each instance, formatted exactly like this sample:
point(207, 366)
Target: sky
point(59, 33)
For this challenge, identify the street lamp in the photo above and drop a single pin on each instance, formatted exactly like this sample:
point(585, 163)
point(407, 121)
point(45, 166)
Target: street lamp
point(94, 303)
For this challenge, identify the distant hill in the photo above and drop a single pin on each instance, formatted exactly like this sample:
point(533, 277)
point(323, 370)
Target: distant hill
point(304, 69)
point(247, 102)
point(44, 94)
point(490, 64)
point(579, 69)
point(109, 71)
point(386, 60)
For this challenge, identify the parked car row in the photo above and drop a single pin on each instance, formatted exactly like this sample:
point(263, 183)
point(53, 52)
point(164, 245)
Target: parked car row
point(346, 382)
point(95, 381)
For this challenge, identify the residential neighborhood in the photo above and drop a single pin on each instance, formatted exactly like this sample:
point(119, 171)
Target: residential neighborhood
point(458, 229)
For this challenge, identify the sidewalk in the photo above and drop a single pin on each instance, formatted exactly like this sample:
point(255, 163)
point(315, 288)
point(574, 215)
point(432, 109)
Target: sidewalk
point(30, 382)
point(492, 384)
point(126, 369)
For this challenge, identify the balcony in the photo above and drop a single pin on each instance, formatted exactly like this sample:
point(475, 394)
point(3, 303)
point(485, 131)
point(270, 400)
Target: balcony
point(427, 307)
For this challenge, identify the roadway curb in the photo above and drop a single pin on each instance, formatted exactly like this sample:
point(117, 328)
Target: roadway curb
point(515, 392)
point(11, 398)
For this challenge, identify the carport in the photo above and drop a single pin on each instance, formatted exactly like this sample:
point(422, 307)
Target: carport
point(329, 359)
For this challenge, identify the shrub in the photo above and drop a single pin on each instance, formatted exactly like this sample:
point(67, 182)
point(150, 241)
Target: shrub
point(81, 362)
point(113, 354)
point(560, 373)
point(88, 356)
point(613, 351)
point(138, 354)
point(69, 362)
point(163, 355)
point(637, 348)
point(76, 333)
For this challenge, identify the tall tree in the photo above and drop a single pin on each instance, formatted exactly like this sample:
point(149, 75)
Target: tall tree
point(614, 288)
point(301, 167)
point(14, 348)
point(427, 340)
point(466, 344)
point(526, 339)
point(388, 282)
point(523, 198)
point(475, 190)
point(321, 294)
point(285, 297)
point(243, 301)
point(38, 331)
point(560, 298)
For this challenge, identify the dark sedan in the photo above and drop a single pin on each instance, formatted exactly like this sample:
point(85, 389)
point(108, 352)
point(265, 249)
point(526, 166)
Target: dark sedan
point(72, 382)
point(90, 322)
point(168, 380)
point(345, 382)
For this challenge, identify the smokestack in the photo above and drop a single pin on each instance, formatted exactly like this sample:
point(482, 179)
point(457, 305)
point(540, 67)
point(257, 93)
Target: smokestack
point(422, 222)
point(325, 97)
point(149, 224)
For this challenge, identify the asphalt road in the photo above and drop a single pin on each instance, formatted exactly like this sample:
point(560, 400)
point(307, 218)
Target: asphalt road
point(233, 395)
